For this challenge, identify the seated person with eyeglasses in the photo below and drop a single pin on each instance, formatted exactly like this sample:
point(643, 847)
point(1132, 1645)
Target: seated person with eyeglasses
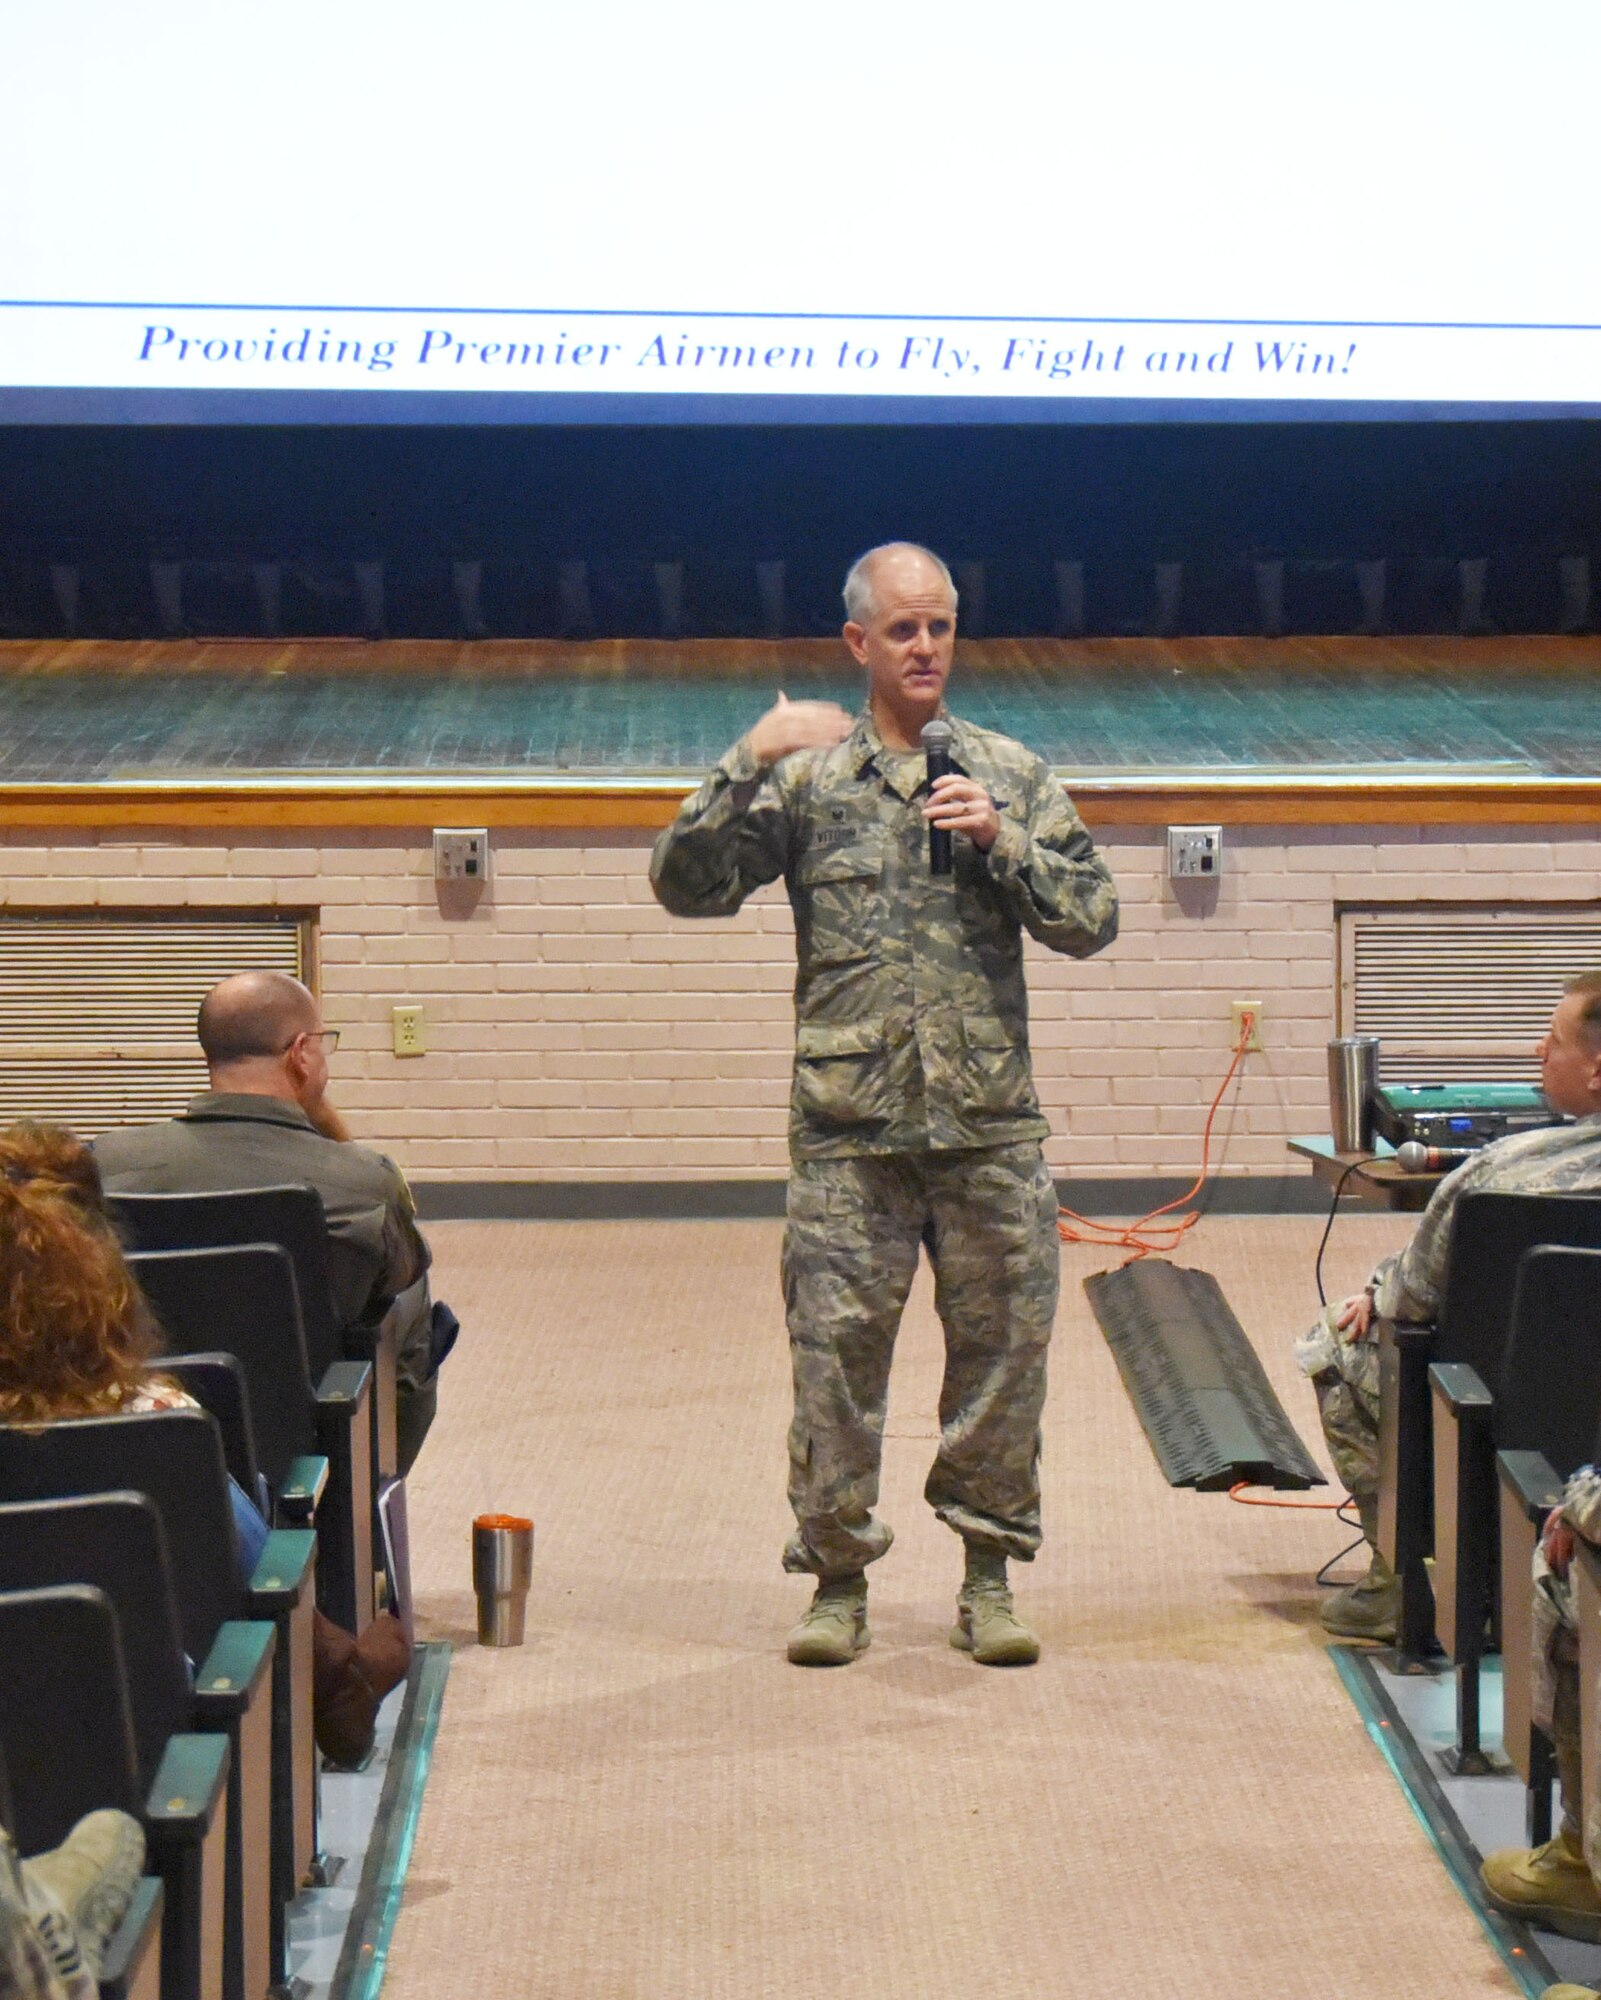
point(267, 1121)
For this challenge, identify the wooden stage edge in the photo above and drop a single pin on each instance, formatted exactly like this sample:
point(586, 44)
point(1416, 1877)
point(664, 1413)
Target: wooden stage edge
point(1306, 798)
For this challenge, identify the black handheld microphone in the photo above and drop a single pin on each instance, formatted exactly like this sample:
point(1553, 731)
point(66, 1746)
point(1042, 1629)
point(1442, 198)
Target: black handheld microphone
point(937, 746)
point(1416, 1158)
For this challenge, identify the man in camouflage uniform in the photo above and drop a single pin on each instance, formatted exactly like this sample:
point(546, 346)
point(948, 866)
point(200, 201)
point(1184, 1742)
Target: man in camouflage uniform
point(913, 1117)
point(1340, 1353)
point(1554, 1885)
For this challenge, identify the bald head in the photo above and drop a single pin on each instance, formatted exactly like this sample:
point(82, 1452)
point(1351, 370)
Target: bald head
point(908, 562)
point(251, 1015)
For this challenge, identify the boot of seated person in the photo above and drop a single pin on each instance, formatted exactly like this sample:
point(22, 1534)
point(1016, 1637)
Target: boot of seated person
point(1550, 1886)
point(350, 1677)
point(1371, 1607)
point(75, 1897)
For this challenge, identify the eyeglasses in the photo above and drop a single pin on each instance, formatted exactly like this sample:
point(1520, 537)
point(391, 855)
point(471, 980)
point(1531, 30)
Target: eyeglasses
point(329, 1036)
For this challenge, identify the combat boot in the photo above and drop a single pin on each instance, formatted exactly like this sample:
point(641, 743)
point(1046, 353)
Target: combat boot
point(1550, 1886)
point(986, 1624)
point(79, 1892)
point(834, 1629)
point(1371, 1608)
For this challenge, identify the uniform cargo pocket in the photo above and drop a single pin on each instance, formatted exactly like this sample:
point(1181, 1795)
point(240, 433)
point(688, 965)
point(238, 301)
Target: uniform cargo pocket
point(841, 1072)
point(996, 1067)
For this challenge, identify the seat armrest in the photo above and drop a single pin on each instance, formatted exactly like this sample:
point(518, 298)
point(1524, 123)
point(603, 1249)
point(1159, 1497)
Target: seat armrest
point(345, 1433)
point(1459, 1386)
point(343, 1388)
point(1411, 1338)
point(380, 1345)
point(286, 1564)
point(187, 1789)
point(234, 1670)
point(1532, 1480)
point(301, 1492)
point(187, 1830)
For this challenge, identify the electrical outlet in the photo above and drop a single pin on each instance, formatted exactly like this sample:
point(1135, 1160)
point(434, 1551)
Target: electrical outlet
point(1194, 853)
point(410, 1031)
point(461, 854)
point(1245, 1018)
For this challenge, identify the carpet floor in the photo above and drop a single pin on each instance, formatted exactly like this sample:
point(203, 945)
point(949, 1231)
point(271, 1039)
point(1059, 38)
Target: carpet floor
point(646, 1802)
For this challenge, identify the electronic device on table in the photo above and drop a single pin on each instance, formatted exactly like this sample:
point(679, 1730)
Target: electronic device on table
point(1459, 1116)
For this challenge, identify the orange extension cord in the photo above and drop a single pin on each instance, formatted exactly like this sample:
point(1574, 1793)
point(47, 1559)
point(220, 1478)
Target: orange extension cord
point(1138, 1239)
point(1240, 1491)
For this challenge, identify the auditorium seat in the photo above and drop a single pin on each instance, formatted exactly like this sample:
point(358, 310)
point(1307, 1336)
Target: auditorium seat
point(68, 1740)
point(217, 1383)
point(1546, 1420)
point(130, 1964)
point(114, 1543)
point(175, 1458)
point(1490, 1235)
point(291, 1216)
point(1546, 1399)
point(313, 1445)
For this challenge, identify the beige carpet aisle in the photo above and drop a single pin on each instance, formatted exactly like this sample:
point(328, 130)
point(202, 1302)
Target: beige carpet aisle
point(647, 1803)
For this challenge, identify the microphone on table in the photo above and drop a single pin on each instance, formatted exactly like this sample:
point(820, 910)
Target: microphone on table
point(1415, 1158)
point(937, 746)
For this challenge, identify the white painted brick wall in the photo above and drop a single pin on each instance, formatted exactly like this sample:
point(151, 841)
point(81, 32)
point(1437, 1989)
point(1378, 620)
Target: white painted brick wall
point(576, 1032)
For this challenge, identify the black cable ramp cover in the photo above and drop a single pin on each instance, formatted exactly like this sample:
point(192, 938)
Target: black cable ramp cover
point(1196, 1384)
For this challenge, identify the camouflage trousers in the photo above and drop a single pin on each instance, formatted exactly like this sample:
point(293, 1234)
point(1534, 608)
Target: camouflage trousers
point(1345, 1380)
point(855, 1226)
point(1555, 1693)
point(1561, 1724)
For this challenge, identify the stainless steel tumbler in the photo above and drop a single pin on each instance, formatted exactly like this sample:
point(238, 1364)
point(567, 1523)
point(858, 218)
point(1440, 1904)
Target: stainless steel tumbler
point(1353, 1078)
point(503, 1567)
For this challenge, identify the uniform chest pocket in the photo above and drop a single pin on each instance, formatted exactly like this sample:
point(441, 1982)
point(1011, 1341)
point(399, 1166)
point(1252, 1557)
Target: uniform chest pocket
point(838, 903)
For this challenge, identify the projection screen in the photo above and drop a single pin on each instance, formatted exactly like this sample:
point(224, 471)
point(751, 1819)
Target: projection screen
point(734, 210)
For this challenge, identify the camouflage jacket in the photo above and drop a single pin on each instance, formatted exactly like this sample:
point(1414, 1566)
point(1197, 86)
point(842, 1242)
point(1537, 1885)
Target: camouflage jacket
point(911, 1016)
point(1581, 1504)
point(1559, 1159)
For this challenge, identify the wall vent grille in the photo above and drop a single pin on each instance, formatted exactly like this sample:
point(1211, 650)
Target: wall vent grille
point(1463, 992)
point(97, 1010)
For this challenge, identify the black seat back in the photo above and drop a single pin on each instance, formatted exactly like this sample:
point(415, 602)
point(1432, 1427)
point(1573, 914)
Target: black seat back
point(246, 1302)
point(1490, 1234)
point(217, 1383)
point(289, 1216)
point(1548, 1395)
point(112, 1541)
point(66, 1726)
point(174, 1457)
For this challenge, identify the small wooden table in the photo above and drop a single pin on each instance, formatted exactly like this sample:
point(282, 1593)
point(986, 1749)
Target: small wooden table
point(1380, 1180)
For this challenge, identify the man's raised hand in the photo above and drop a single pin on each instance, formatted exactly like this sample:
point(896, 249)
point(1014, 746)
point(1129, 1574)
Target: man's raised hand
point(797, 725)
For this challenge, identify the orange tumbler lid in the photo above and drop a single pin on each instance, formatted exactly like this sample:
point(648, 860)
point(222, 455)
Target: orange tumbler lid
point(502, 1521)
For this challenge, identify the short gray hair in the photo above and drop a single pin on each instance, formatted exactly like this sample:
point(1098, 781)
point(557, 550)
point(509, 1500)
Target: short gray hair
point(860, 603)
point(1588, 986)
